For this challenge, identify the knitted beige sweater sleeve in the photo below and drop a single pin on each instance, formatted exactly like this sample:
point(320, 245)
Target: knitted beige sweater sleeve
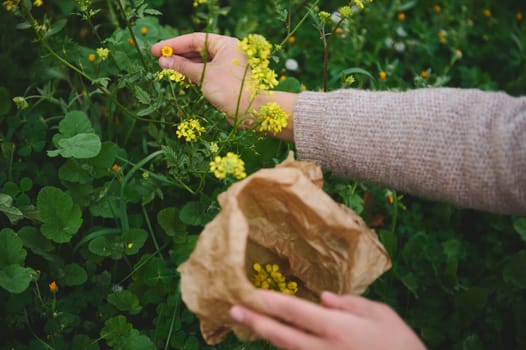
point(462, 146)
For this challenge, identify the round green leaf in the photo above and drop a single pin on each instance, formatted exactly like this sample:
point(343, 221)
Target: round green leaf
point(80, 146)
point(169, 220)
point(134, 240)
point(75, 122)
point(26, 184)
point(100, 246)
point(15, 278)
point(125, 301)
point(61, 218)
point(11, 248)
point(74, 275)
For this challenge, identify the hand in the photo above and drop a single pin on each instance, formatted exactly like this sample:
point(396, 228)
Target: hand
point(221, 84)
point(345, 322)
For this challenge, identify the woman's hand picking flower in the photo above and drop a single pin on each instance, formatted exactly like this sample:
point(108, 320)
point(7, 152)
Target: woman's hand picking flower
point(345, 322)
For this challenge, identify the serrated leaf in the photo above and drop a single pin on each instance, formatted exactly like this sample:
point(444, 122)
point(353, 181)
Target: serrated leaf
point(80, 146)
point(115, 329)
point(125, 301)
point(15, 278)
point(142, 96)
point(11, 248)
point(61, 218)
point(75, 122)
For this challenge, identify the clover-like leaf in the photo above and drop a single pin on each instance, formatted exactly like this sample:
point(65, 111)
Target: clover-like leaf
point(80, 146)
point(75, 122)
point(74, 275)
point(60, 216)
point(125, 301)
point(134, 240)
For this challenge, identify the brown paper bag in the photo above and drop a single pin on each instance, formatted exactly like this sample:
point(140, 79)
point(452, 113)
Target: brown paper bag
point(278, 216)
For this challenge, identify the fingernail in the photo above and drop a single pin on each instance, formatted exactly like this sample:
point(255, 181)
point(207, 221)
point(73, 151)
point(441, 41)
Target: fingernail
point(236, 313)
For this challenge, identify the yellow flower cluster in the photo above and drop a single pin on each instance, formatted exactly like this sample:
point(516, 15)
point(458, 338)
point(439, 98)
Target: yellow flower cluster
point(189, 129)
point(258, 50)
point(345, 11)
point(171, 75)
point(270, 278)
point(199, 2)
point(103, 53)
point(38, 3)
point(272, 118)
point(231, 164)
point(11, 5)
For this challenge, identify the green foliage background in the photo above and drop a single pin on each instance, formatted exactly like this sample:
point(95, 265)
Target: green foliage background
point(112, 237)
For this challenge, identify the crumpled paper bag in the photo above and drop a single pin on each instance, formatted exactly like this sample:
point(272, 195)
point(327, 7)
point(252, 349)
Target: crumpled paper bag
point(278, 216)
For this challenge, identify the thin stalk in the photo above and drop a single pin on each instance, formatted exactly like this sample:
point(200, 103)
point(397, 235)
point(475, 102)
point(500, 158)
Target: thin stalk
point(326, 46)
point(152, 234)
point(132, 34)
point(297, 26)
point(395, 212)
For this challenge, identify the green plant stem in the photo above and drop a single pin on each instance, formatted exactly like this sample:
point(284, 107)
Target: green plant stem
point(132, 34)
point(395, 212)
point(150, 229)
point(326, 46)
point(297, 26)
point(204, 55)
point(172, 322)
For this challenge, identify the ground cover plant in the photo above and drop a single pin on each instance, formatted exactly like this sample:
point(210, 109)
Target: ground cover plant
point(110, 167)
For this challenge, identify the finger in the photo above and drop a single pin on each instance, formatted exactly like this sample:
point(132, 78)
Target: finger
point(279, 334)
point(354, 304)
point(301, 313)
point(189, 43)
point(192, 70)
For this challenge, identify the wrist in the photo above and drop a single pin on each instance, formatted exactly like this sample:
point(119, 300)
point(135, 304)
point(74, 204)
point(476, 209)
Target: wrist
point(287, 102)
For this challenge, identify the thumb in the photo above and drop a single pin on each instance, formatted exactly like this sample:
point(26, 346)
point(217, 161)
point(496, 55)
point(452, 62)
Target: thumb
point(354, 304)
point(192, 70)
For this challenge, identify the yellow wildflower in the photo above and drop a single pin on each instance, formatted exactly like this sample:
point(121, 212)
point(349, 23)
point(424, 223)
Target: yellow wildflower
point(38, 3)
point(270, 278)
point(349, 80)
point(437, 8)
point(131, 41)
point(424, 74)
point(167, 51)
point(92, 57)
point(144, 30)
point(103, 53)
point(20, 102)
point(324, 16)
point(257, 49)
point(487, 12)
point(382, 75)
point(214, 148)
point(189, 129)
point(519, 16)
point(291, 39)
point(171, 75)
point(231, 164)
point(401, 16)
point(272, 118)
point(345, 11)
point(10, 5)
point(359, 3)
point(53, 287)
point(115, 167)
point(199, 2)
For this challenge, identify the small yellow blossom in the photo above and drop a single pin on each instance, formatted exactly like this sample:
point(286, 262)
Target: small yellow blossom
point(131, 41)
point(424, 74)
point(487, 12)
point(115, 167)
point(324, 16)
point(11, 5)
point(189, 129)
point(291, 39)
point(129, 245)
point(359, 3)
point(146, 175)
point(270, 277)
point(214, 148)
point(20, 102)
point(442, 36)
point(171, 75)
point(167, 51)
point(231, 164)
point(53, 287)
point(401, 16)
point(519, 16)
point(92, 57)
point(144, 30)
point(437, 8)
point(257, 49)
point(345, 11)
point(199, 2)
point(382, 75)
point(349, 80)
point(38, 3)
point(272, 118)
point(103, 53)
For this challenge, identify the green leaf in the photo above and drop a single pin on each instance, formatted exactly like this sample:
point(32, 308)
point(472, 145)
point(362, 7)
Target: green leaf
point(83, 342)
point(100, 246)
point(519, 225)
point(11, 248)
point(75, 122)
point(125, 301)
point(74, 275)
point(136, 341)
point(169, 220)
point(389, 240)
point(5, 101)
point(15, 278)
point(194, 213)
point(134, 240)
point(191, 343)
point(115, 329)
point(289, 84)
point(61, 218)
point(80, 146)
point(142, 96)
point(514, 272)
point(34, 240)
point(72, 171)
point(6, 206)
point(26, 184)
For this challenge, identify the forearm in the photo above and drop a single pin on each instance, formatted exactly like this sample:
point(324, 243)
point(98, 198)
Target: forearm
point(462, 146)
